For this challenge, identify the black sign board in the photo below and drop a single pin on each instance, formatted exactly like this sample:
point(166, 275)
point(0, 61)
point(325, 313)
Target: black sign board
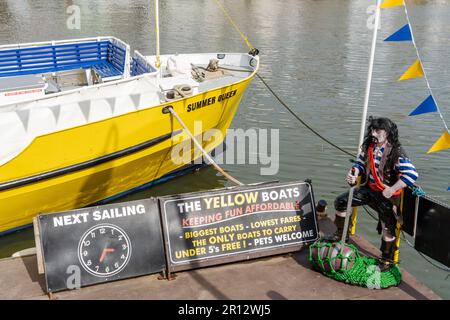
point(206, 228)
point(433, 230)
point(100, 244)
point(409, 211)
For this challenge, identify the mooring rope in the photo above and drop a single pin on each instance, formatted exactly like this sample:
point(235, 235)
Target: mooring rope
point(301, 120)
point(234, 24)
point(230, 19)
point(423, 256)
point(199, 146)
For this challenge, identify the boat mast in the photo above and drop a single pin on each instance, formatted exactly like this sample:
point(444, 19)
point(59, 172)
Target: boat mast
point(364, 115)
point(158, 61)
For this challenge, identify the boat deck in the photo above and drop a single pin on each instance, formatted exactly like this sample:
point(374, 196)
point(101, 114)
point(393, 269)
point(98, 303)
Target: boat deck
point(279, 277)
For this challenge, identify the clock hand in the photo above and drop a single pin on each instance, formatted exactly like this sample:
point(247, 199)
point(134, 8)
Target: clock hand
point(105, 252)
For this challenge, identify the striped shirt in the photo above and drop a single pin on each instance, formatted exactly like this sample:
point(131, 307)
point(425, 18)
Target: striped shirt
point(406, 170)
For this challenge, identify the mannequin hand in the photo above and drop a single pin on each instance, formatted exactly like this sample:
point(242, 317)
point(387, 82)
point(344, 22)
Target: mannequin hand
point(388, 192)
point(352, 175)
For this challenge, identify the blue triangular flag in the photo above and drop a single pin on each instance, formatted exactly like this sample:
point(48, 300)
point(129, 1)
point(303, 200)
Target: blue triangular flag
point(429, 105)
point(404, 34)
point(448, 189)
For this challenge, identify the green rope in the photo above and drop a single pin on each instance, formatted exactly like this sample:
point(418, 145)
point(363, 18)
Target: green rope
point(344, 263)
point(417, 191)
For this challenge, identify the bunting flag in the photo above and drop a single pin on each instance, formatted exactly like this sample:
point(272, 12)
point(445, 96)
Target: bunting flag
point(391, 3)
point(428, 105)
point(403, 34)
point(415, 71)
point(442, 143)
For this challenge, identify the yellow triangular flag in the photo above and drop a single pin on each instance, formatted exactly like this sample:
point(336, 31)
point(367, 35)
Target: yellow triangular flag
point(391, 3)
point(415, 71)
point(442, 143)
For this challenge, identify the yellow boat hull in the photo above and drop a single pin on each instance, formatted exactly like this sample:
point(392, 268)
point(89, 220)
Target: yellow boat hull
point(79, 166)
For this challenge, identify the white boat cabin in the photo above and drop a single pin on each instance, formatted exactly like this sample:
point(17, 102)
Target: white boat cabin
point(51, 86)
point(34, 70)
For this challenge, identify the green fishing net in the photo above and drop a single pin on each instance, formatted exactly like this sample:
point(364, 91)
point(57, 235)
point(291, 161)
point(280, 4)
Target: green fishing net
point(344, 263)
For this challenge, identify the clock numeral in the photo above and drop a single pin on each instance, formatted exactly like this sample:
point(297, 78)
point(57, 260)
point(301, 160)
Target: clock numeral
point(92, 235)
point(116, 265)
point(86, 243)
point(89, 262)
point(107, 269)
point(102, 231)
point(96, 268)
point(120, 237)
point(124, 246)
point(122, 257)
point(85, 253)
point(112, 231)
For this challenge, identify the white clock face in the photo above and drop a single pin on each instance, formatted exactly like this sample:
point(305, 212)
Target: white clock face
point(104, 250)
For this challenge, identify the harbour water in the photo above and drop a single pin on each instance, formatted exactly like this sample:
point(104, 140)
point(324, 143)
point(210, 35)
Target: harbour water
point(314, 54)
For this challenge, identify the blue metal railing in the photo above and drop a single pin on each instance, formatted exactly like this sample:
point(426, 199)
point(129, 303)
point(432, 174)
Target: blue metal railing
point(104, 56)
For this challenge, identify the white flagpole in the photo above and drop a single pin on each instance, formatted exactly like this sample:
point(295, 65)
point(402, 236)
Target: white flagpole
point(364, 115)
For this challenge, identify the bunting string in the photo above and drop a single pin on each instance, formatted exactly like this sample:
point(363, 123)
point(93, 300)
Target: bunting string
point(415, 71)
point(422, 67)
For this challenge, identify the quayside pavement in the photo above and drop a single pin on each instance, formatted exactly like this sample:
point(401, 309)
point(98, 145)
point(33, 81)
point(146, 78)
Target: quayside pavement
point(287, 276)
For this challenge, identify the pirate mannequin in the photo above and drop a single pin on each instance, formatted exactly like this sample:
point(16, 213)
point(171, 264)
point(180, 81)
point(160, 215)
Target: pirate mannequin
point(386, 170)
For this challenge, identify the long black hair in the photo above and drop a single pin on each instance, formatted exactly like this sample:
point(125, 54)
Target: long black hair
point(392, 135)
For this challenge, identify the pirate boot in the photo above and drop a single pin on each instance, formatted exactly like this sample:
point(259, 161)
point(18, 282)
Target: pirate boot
point(387, 254)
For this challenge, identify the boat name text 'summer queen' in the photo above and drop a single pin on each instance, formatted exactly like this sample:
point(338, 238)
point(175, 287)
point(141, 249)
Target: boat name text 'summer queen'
point(207, 102)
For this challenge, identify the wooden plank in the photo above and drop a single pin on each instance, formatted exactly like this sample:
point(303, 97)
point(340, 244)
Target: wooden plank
point(37, 239)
